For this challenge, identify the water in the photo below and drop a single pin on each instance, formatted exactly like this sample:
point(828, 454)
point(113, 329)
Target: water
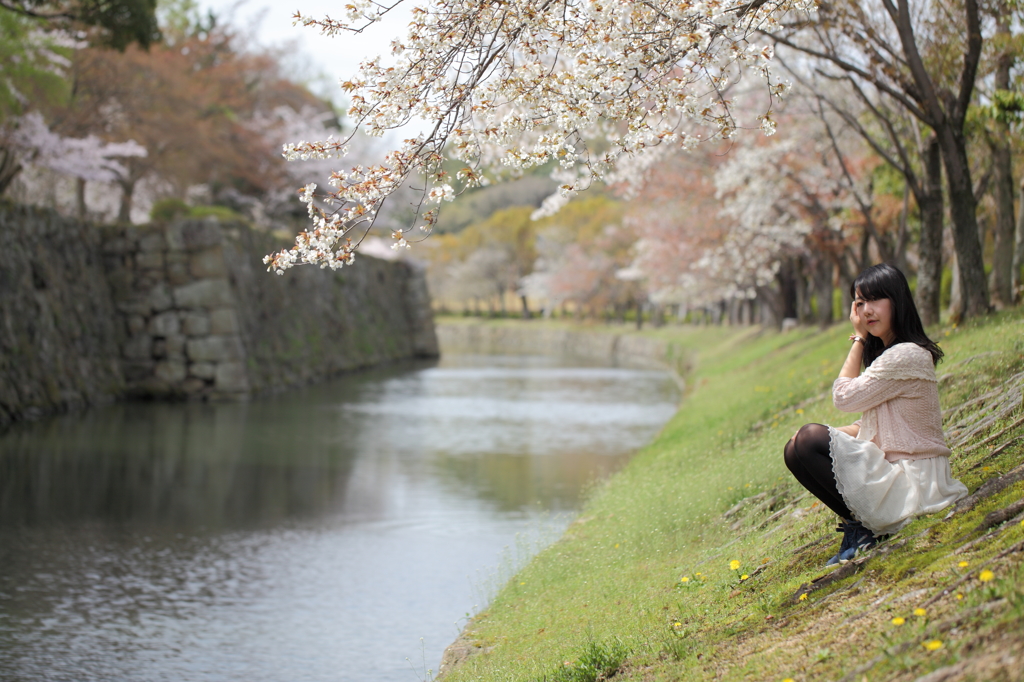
point(339, 532)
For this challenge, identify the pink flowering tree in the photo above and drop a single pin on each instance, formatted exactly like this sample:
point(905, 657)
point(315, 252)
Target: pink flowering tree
point(592, 86)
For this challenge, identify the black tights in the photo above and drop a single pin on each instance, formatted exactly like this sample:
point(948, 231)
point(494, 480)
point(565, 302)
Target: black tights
point(807, 456)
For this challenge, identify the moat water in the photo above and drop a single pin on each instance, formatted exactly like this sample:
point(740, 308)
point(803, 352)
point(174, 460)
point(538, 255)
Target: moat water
point(339, 532)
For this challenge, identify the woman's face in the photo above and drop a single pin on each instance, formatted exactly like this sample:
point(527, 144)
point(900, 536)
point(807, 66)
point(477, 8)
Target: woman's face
point(878, 317)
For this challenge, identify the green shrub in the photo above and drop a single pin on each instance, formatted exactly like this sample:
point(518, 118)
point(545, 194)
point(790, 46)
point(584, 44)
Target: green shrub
point(219, 212)
point(168, 209)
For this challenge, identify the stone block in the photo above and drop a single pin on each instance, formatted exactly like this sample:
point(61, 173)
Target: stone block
point(214, 349)
point(203, 370)
point(170, 371)
point(152, 241)
point(193, 385)
point(138, 348)
point(178, 274)
point(201, 234)
point(118, 245)
point(134, 306)
point(223, 321)
point(176, 257)
point(159, 349)
point(208, 263)
point(136, 371)
point(136, 325)
point(175, 236)
point(175, 345)
point(160, 298)
point(204, 294)
point(231, 377)
point(196, 324)
point(165, 324)
point(150, 260)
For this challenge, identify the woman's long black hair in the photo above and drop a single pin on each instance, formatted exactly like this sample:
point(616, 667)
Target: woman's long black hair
point(885, 281)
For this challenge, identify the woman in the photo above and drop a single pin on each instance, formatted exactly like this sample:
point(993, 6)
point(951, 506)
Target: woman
point(892, 464)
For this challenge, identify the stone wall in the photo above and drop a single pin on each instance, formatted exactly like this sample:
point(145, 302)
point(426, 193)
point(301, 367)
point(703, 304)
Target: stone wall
point(185, 311)
point(58, 325)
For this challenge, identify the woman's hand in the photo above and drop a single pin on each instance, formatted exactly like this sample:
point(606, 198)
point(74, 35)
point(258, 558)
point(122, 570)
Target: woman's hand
point(860, 325)
point(851, 430)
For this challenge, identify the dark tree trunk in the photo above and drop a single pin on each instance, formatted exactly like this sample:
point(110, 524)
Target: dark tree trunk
point(526, 307)
point(124, 215)
point(964, 219)
point(80, 207)
point(9, 168)
point(823, 291)
point(1018, 251)
point(1002, 166)
point(929, 268)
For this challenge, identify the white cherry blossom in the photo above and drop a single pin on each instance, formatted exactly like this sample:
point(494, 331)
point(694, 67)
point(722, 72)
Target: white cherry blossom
point(593, 85)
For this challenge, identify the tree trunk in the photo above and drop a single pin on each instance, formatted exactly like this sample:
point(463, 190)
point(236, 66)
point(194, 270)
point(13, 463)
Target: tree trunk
point(9, 168)
point(823, 291)
point(124, 215)
point(956, 293)
point(1018, 251)
point(1002, 162)
point(929, 268)
point(80, 207)
point(964, 219)
point(526, 307)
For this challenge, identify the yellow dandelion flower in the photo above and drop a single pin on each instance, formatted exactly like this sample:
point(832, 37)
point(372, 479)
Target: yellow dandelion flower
point(803, 597)
point(788, 679)
point(685, 579)
point(898, 621)
point(616, 545)
point(964, 564)
point(698, 573)
point(932, 644)
point(744, 576)
point(734, 565)
point(1022, 524)
point(677, 624)
point(986, 576)
point(800, 410)
point(920, 612)
point(959, 596)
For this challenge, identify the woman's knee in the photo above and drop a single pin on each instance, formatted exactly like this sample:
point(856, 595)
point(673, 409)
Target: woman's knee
point(805, 443)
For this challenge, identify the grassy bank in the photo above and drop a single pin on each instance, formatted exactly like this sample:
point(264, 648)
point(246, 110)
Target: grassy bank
point(703, 559)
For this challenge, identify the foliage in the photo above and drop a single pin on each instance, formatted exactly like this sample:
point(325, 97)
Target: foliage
point(32, 64)
point(116, 23)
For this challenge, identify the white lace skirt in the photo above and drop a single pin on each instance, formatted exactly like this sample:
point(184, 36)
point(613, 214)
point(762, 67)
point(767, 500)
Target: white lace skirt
point(885, 495)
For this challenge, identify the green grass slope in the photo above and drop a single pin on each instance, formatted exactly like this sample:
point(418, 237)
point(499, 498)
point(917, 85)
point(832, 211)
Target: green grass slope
point(704, 560)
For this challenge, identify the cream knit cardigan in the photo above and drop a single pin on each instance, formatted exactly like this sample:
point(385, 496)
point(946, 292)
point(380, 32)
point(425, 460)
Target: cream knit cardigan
point(899, 397)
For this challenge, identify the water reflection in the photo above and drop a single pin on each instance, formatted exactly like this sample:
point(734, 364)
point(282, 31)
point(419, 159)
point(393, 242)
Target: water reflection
point(312, 535)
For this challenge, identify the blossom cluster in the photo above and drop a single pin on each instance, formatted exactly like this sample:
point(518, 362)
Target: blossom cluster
point(589, 84)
